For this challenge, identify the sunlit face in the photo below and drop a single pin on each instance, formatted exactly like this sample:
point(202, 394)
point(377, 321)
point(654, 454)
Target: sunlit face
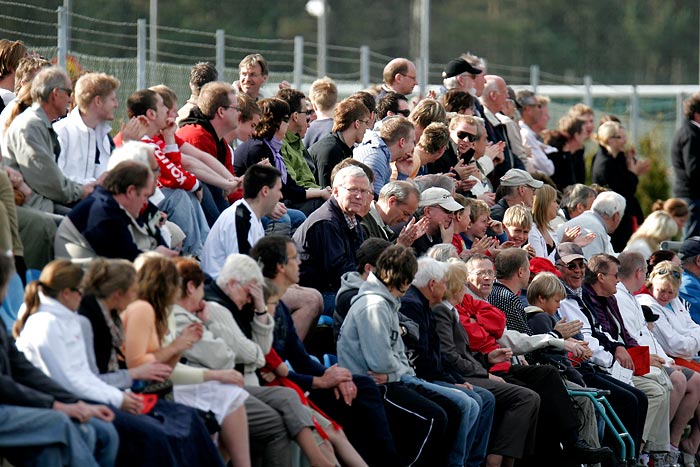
point(353, 194)
point(479, 227)
point(438, 216)
point(480, 146)
point(437, 290)
point(401, 212)
point(572, 273)
point(107, 106)
point(527, 194)
point(663, 291)
point(136, 198)
point(544, 117)
point(460, 136)
point(552, 209)
point(291, 269)
point(245, 129)
point(479, 82)
point(517, 234)
point(273, 197)
point(588, 125)
point(462, 220)
point(127, 296)
point(71, 298)
point(481, 277)
point(160, 117)
point(551, 305)
point(407, 82)
point(251, 79)
point(608, 280)
point(231, 113)
point(62, 99)
point(618, 141)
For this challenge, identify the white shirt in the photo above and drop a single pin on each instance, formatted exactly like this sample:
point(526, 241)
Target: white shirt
point(538, 150)
point(79, 145)
point(589, 221)
point(222, 240)
point(52, 339)
point(675, 330)
point(570, 309)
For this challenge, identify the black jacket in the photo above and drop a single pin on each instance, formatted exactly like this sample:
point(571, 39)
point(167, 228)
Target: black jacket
point(325, 154)
point(685, 156)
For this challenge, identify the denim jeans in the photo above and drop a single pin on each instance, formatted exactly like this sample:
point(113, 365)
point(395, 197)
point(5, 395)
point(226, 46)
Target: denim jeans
point(469, 408)
point(183, 209)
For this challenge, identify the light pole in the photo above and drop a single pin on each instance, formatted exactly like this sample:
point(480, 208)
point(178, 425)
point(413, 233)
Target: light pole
point(319, 9)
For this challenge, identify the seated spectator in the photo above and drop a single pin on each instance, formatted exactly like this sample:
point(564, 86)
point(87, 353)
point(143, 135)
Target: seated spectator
point(182, 191)
point(397, 203)
point(399, 76)
point(84, 134)
point(426, 112)
point(576, 200)
point(38, 414)
point(429, 148)
point(147, 322)
point(458, 101)
point(602, 220)
point(350, 121)
point(475, 237)
point(689, 290)
point(676, 208)
point(266, 145)
point(657, 227)
point(50, 335)
point(352, 400)
point(324, 97)
point(253, 73)
point(32, 148)
point(329, 238)
point(517, 224)
point(567, 140)
point(462, 223)
point(530, 113)
point(200, 74)
point(518, 188)
point(393, 143)
point(438, 206)
point(239, 226)
point(585, 113)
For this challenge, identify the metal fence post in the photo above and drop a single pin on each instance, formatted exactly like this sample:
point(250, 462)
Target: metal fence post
point(634, 115)
point(364, 66)
point(141, 54)
point(588, 95)
point(679, 110)
point(424, 46)
point(62, 46)
point(220, 53)
point(68, 7)
point(298, 61)
point(534, 77)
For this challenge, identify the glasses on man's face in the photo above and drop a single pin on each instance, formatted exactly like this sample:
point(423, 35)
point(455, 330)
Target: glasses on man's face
point(308, 113)
point(483, 273)
point(366, 122)
point(357, 191)
point(616, 275)
point(668, 272)
point(572, 266)
point(404, 112)
point(409, 76)
point(465, 134)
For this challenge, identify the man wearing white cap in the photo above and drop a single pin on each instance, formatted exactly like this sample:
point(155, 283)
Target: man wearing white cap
point(438, 206)
point(519, 187)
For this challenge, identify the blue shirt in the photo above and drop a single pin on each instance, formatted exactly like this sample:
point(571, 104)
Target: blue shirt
point(690, 292)
point(375, 153)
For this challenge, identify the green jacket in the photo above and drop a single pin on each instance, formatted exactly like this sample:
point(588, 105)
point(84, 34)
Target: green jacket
point(293, 155)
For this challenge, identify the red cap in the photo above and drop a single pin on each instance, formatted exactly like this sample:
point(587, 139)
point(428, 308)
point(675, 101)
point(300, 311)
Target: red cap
point(538, 265)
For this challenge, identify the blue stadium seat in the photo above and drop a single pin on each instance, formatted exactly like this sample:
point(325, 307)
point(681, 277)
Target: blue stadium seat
point(324, 320)
point(329, 360)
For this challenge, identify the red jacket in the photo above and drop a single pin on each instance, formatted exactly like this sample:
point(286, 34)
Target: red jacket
point(484, 324)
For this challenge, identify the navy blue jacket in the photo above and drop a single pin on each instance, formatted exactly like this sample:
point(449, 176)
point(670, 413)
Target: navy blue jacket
point(327, 247)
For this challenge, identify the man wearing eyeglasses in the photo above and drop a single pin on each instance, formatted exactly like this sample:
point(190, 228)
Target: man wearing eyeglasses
point(437, 206)
point(392, 104)
point(399, 76)
point(33, 147)
point(330, 236)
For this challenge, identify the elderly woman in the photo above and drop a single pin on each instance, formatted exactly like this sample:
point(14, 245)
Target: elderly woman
point(266, 145)
point(149, 337)
point(658, 227)
point(675, 330)
point(614, 168)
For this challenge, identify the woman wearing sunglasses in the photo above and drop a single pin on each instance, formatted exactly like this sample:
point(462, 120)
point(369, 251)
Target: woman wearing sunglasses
point(677, 333)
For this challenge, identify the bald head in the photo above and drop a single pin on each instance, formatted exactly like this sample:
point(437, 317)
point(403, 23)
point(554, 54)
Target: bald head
point(495, 93)
point(400, 75)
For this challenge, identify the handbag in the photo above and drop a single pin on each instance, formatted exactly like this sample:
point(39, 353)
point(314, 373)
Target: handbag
point(640, 357)
point(162, 389)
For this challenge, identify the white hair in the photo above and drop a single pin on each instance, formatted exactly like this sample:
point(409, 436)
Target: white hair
point(132, 151)
point(351, 171)
point(609, 203)
point(442, 252)
point(429, 268)
point(242, 268)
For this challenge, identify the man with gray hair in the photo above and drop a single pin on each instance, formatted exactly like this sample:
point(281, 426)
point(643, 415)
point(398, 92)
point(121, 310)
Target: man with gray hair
point(602, 219)
point(397, 202)
point(530, 112)
point(460, 74)
point(518, 188)
point(32, 145)
point(330, 236)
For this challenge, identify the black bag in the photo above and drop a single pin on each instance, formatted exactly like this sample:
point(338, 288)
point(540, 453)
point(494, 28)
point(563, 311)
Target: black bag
point(162, 389)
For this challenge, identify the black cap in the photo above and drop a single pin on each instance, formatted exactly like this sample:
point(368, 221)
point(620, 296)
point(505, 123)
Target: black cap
point(458, 66)
point(649, 315)
point(689, 248)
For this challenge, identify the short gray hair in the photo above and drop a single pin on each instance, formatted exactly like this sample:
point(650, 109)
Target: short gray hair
point(609, 203)
point(630, 261)
point(400, 189)
point(240, 267)
point(47, 80)
point(442, 252)
point(429, 268)
point(576, 194)
point(351, 171)
point(132, 151)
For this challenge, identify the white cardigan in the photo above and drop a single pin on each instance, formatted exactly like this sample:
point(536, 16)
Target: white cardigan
point(52, 339)
point(675, 330)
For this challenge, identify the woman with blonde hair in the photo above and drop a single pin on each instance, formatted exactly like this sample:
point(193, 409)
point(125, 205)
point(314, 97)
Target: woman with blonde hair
point(676, 208)
point(659, 226)
point(149, 337)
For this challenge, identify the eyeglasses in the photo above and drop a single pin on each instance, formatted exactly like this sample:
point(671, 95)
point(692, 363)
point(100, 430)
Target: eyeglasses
point(574, 265)
point(309, 114)
point(668, 272)
point(465, 134)
point(608, 274)
point(366, 122)
point(357, 191)
point(404, 112)
point(484, 273)
point(73, 289)
point(409, 76)
point(68, 91)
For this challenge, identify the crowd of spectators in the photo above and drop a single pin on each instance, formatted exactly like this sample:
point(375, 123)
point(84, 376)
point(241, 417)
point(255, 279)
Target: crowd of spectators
point(474, 267)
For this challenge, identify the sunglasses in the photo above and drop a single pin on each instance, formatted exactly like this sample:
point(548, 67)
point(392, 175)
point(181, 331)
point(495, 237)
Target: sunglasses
point(670, 272)
point(464, 134)
point(404, 112)
point(575, 265)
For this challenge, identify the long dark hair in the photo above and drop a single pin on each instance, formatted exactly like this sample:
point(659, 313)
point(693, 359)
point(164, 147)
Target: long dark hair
point(274, 110)
point(158, 284)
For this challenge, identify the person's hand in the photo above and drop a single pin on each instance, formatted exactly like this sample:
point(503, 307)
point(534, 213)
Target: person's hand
point(638, 167)
point(285, 84)
point(446, 233)
point(506, 245)
point(333, 376)
point(624, 358)
point(265, 161)
point(495, 378)
point(189, 336)
point(282, 370)
point(496, 226)
point(571, 234)
point(233, 184)
point(575, 347)
point(568, 329)
point(199, 193)
point(152, 371)
point(466, 184)
point(495, 152)
point(225, 376)
point(412, 231)
point(15, 176)
point(268, 376)
point(464, 170)
point(404, 165)
point(483, 244)
point(531, 253)
point(165, 251)
point(135, 129)
point(279, 211)
point(168, 133)
point(102, 412)
point(202, 311)
point(379, 378)
point(465, 385)
point(655, 360)
point(256, 294)
point(500, 355)
point(347, 390)
point(585, 240)
point(488, 197)
point(326, 193)
point(131, 403)
point(88, 188)
point(78, 411)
